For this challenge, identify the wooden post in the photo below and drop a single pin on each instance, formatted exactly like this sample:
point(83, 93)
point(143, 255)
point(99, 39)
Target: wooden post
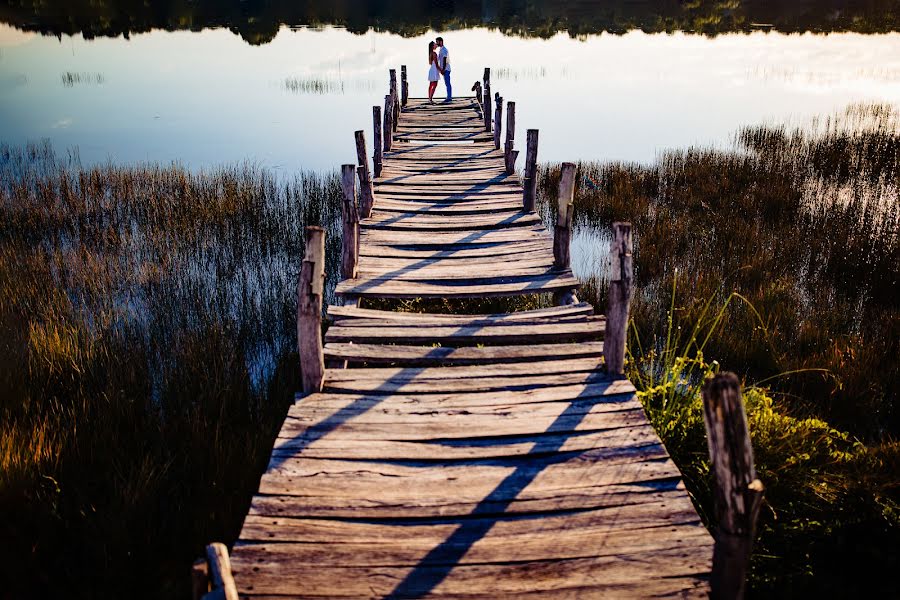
point(350, 220)
point(479, 97)
point(395, 100)
point(487, 99)
point(404, 86)
point(309, 311)
point(220, 576)
point(366, 190)
point(388, 127)
point(736, 490)
point(498, 116)
point(378, 158)
point(564, 210)
point(619, 299)
point(199, 579)
point(530, 182)
point(510, 154)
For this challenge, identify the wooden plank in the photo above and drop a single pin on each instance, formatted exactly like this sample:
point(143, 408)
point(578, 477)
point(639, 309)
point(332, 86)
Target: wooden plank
point(418, 355)
point(493, 333)
point(335, 312)
point(607, 576)
point(387, 288)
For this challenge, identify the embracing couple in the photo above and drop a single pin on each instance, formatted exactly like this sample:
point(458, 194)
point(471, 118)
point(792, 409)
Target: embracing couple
point(439, 61)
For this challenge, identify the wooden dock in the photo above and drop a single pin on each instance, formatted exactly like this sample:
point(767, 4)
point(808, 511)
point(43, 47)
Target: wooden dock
point(464, 456)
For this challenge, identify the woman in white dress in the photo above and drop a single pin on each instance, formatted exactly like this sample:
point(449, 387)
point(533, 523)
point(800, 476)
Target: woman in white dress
point(434, 73)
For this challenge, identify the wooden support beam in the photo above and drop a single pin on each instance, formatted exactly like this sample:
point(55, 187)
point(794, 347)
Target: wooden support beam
point(309, 311)
point(736, 490)
point(350, 221)
point(404, 86)
point(388, 123)
point(366, 188)
point(509, 152)
point(221, 580)
point(486, 105)
point(619, 299)
point(563, 232)
point(395, 100)
point(378, 158)
point(530, 183)
point(498, 119)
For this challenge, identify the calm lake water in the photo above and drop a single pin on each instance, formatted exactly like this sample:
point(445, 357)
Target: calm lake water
point(209, 97)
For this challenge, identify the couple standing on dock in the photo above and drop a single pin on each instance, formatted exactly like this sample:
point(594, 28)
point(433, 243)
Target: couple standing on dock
point(439, 61)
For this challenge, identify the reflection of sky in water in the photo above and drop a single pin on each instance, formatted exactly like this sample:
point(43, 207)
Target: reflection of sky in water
point(206, 98)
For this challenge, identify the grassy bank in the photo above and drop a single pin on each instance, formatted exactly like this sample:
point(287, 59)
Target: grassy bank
point(803, 224)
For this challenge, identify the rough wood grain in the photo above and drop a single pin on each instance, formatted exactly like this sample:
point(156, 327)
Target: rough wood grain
point(620, 290)
point(529, 195)
point(309, 311)
point(350, 223)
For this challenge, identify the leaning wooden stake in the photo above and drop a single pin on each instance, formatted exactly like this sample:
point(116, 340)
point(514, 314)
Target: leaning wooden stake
point(388, 127)
point(366, 190)
point(486, 105)
point(395, 100)
point(220, 578)
point(404, 86)
point(619, 299)
point(350, 221)
point(498, 119)
point(563, 231)
point(378, 158)
point(509, 153)
point(530, 183)
point(309, 311)
point(736, 490)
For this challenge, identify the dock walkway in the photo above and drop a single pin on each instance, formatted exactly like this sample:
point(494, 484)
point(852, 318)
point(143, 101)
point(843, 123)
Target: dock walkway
point(465, 456)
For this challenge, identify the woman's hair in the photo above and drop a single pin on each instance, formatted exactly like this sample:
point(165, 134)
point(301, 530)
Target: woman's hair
point(430, 50)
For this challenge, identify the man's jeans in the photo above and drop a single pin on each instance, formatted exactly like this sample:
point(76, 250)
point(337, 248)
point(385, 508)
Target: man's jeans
point(447, 83)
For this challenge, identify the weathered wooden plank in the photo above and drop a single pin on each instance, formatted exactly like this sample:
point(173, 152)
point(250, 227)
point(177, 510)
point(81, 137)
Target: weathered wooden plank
point(424, 356)
point(388, 288)
point(366, 313)
point(606, 575)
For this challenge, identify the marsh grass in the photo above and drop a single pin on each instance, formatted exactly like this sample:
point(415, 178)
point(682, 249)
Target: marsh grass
point(786, 250)
point(71, 79)
point(323, 85)
point(148, 358)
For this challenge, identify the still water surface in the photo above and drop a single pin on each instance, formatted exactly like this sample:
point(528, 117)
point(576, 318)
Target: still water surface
point(206, 98)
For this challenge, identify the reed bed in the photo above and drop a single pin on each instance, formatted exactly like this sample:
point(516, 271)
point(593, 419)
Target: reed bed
point(148, 359)
point(786, 253)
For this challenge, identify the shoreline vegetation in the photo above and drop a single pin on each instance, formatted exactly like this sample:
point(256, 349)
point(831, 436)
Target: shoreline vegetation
point(149, 354)
point(258, 21)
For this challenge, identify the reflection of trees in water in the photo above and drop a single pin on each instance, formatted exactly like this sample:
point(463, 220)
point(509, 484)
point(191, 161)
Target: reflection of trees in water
point(258, 21)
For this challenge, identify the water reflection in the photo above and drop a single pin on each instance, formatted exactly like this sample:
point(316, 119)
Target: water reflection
point(205, 98)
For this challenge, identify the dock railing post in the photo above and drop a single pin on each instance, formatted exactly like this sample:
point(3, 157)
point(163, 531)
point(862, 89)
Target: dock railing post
point(563, 230)
point(350, 222)
point(530, 194)
point(219, 569)
point(486, 105)
point(510, 154)
point(387, 133)
point(309, 311)
point(479, 96)
point(404, 86)
point(395, 100)
point(366, 191)
point(498, 119)
point(562, 234)
point(378, 157)
point(737, 492)
point(619, 299)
